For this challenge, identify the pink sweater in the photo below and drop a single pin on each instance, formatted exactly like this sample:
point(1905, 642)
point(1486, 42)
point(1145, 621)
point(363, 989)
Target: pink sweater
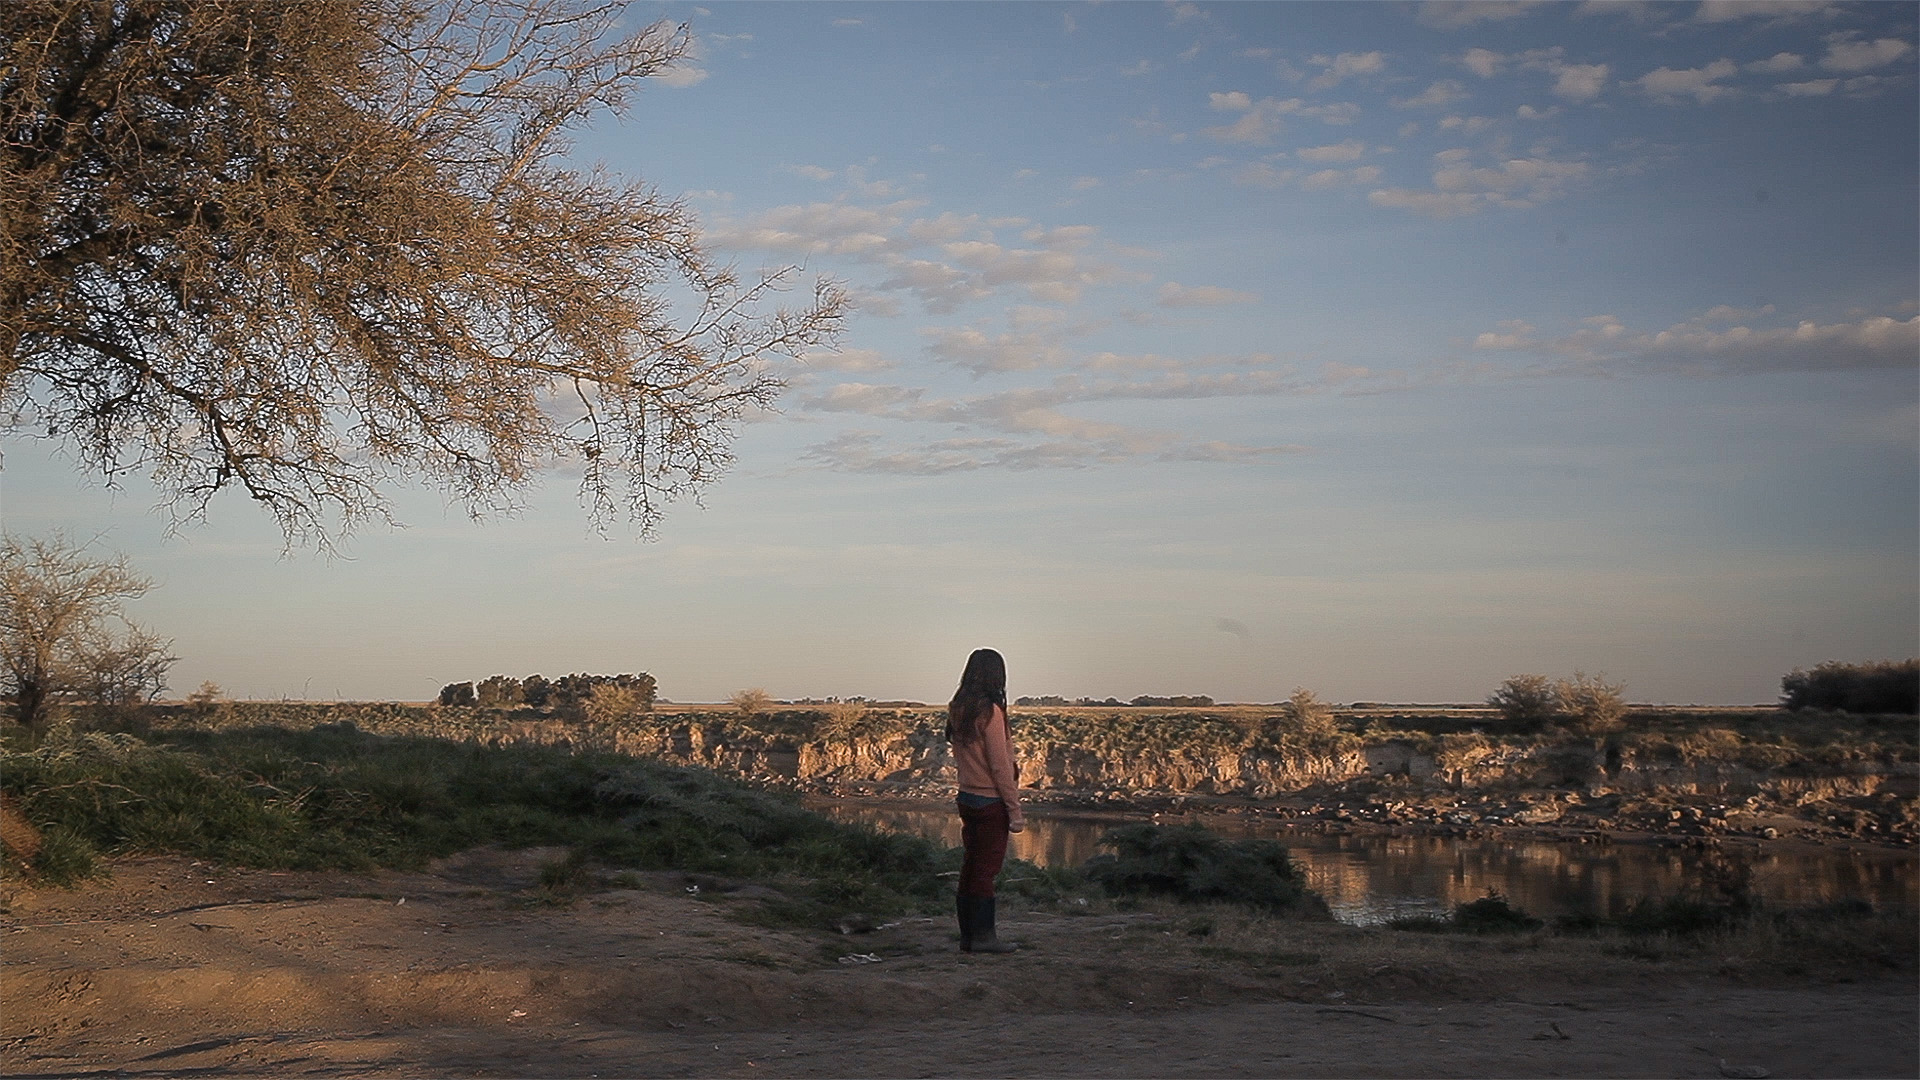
point(987, 766)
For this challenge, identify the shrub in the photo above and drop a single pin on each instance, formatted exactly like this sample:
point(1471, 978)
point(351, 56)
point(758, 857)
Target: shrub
point(612, 704)
point(751, 703)
point(1491, 914)
point(1305, 714)
point(459, 693)
point(498, 691)
point(1527, 700)
point(1884, 687)
point(1193, 865)
point(1593, 706)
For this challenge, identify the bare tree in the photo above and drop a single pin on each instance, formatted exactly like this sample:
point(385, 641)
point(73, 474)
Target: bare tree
point(305, 250)
point(62, 631)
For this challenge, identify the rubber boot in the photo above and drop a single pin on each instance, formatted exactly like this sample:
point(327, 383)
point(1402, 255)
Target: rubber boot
point(984, 938)
point(963, 908)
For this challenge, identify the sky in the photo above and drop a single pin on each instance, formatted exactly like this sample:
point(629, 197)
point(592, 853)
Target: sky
point(1386, 350)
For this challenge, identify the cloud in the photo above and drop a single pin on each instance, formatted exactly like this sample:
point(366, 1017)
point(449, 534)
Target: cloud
point(1028, 430)
point(1810, 88)
point(1215, 450)
point(1849, 55)
point(1261, 120)
point(811, 172)
point(1461, 187)
point(1431, 203)
point(834, 228)
point(682, 75)
point(1440, 94)
point(1702, 84)
point(1456, 14)
point(847, 360)
point(1175, 295)
point(1482, 62)
point(1350, 150)
point(1231, 626)
point(1184, 12)
point(1143, 67)
point(1466, 125)
point(1528, 112)
point(1338, 69)
point(1720, 342)
point(1777, 64)
point(1713, 11)
point(981, 353)
point(1085, 183)
point(1579, 82)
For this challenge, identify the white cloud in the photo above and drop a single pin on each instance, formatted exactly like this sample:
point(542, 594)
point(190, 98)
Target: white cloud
point(863, 398)
point(1779, 63)
point(981, 353)
point(1528, 112)
point(1850, 55)
point(1175, 295)
point(1350, 150)
point(1455, 14)
point(682, 75)
point(1183, 12)
point(1143, 67)
point(1482, 62)
point(847, 360)
point(1711, 11)
point(1640, 11)
point(1466, 125)
point(1261, 120)
point(1702, 84)
point(1441, 93)
point(1085, 183)
point(811, 172)
point(1431, 203)
point(1338, 69)
point(835, 228)
point(1262, 174)
point(1810, 88)
point(1460, 187)
point(1707, 344)
point(1579, 82)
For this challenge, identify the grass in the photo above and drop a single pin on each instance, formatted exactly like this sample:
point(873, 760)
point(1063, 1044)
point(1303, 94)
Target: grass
point(336, 797)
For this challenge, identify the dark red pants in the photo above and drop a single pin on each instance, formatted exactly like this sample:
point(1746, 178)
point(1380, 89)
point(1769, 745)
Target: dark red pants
point(983, 832)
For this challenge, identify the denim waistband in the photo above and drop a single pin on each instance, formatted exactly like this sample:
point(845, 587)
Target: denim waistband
point(973, 802)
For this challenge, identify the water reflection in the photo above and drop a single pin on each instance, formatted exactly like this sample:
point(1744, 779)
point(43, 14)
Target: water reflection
point(1372, 878)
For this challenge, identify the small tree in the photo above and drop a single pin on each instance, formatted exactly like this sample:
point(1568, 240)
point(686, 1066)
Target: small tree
point(535, 690)
point(459, 693)
point(206, 699)
point(751, 703)
point(1593, 706)
point(62, 631)
point(1884, 687)
point(1305, 714)
point(1529, 700)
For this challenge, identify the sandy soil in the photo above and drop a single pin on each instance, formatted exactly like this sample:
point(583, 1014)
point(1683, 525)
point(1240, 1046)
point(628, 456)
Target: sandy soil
point(175, 968)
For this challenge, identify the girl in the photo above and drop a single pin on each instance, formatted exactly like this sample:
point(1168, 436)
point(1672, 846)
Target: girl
point(989, 793)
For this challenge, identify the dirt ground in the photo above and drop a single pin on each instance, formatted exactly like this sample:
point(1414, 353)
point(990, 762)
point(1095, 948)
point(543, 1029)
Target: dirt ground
point(175, 968)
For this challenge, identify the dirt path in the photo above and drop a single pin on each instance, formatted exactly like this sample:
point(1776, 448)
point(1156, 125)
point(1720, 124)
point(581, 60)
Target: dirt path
point(175, 969)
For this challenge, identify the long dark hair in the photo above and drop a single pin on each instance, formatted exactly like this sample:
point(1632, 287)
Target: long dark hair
point(982, 686)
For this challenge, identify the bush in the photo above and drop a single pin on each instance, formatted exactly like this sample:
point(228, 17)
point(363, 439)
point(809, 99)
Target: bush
point(1491, 914)
point(1193, 865)
point(460, 694)
point(611, 704)
point(751, 703)
point(1306, 715)
point(1527, 700)
point(498, 691)
point(1592, 705)
point(1885, 687)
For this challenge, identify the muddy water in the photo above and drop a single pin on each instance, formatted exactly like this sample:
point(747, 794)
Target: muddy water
point(1369, 879)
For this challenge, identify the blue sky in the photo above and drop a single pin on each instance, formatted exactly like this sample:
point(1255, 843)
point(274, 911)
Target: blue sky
point(1382, 349)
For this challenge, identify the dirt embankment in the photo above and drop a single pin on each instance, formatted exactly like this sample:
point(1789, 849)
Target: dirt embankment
point(176, 967)
point(1685, 773)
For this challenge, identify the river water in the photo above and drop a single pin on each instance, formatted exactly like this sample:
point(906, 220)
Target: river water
point(1369, 879)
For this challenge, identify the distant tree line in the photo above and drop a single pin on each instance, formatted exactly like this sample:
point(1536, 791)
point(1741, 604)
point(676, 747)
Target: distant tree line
point(505, 692)
point(1884, 687)
point(1144, 701)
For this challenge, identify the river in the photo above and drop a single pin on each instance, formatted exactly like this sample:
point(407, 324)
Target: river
point(1369, 879)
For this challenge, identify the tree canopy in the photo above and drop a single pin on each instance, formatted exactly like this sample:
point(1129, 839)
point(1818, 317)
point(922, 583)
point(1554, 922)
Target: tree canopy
point(308, 250)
